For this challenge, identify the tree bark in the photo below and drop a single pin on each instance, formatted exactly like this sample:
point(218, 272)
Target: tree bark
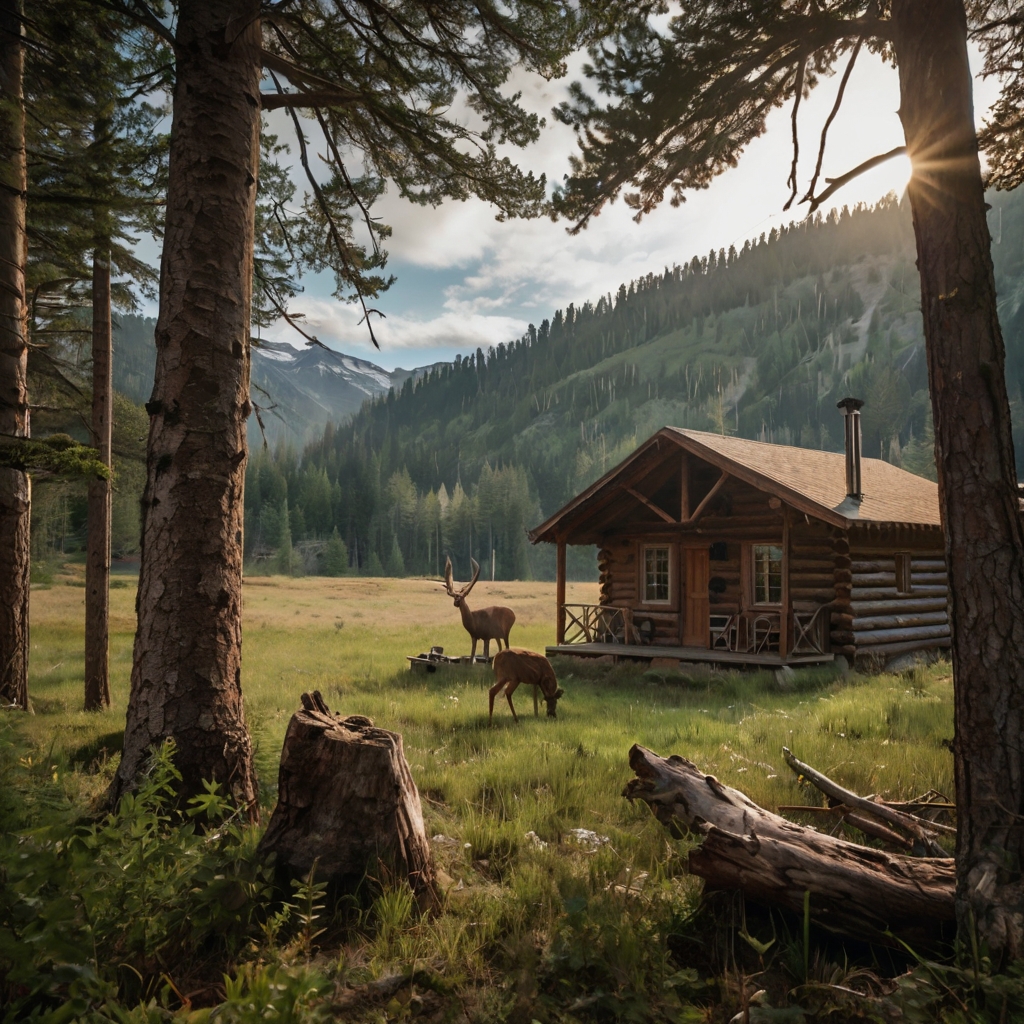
point(15, 485)
point(975, 462)
point(347, 805)
point(97, 565)
point(854, 890)
point(186, 673)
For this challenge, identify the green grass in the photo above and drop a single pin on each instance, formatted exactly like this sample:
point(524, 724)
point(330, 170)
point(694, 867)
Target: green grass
point(504, 799)
point(882, 734)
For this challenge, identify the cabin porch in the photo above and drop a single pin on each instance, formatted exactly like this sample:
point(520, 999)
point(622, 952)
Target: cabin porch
point(734, 637)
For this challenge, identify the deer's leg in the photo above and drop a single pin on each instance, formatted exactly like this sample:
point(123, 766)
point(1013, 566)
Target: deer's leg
point(536, 713)
point(509, 690)
point(492, 693)
point(487, 648)
point(472, 656)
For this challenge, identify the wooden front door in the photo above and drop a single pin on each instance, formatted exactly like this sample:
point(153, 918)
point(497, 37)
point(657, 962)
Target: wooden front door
point(696, 607)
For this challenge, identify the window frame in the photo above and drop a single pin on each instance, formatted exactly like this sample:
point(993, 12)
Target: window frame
point(751, 588)
point(670, 602)
point(903, 564)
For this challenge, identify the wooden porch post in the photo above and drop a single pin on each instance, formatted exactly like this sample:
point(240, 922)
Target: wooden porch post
point(785, 616)
point(560, 591)
point(684, 490)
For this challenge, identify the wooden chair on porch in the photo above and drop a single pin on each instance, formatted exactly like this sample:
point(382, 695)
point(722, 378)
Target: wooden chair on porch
point(725, 627)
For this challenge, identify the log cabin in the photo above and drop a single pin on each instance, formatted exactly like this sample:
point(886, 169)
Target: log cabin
point(719, 549)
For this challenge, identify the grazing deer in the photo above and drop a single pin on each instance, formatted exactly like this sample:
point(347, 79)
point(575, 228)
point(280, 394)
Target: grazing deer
point(516, 665)
point(487, 624)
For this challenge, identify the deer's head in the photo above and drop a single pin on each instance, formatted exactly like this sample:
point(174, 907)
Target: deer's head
point(552, 702)
point(458, 596)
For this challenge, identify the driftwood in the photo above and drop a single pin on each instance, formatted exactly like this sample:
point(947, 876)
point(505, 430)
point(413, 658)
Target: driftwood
point(854, 891)
point(347, 805)
point(920, 830)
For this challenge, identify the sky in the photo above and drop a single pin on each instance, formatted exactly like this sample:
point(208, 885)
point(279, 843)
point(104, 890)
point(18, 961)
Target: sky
point(465, 280)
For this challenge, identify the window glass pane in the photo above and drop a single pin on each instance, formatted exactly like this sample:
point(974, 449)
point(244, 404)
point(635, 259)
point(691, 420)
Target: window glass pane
point(767, 574)
point(656, 574)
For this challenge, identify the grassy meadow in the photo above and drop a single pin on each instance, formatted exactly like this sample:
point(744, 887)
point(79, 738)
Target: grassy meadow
point(349, 639)
point(539, 915)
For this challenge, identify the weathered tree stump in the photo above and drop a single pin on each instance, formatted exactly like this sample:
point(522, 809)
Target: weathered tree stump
point(854, 890)
point(347, 805)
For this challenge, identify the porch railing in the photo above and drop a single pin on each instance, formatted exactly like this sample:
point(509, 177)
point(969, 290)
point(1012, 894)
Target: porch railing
point(599, 624)
point(746, 632)
point(759, 632)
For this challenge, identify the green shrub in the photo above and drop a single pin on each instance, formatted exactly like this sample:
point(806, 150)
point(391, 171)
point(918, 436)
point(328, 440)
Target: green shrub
point(97, 913)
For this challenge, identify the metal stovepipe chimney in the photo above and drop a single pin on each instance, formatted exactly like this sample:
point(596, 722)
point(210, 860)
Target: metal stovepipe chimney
point(851, 413)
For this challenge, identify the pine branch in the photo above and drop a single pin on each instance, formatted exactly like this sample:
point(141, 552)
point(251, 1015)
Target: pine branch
point(831, 117)
point(328, 216)
point(58, 455)
point(835, 184)
point(798, 92)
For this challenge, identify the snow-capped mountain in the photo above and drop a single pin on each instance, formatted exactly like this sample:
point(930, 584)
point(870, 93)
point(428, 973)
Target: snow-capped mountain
point(297, 390)
point(306, 387)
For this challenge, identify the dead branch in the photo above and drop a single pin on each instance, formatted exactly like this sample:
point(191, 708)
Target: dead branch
point(831, 117)
point(916, 828)
point(798, 95)
point(835, 184)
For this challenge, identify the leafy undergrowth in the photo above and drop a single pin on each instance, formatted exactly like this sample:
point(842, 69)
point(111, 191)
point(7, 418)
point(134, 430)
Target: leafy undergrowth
point(561, 903)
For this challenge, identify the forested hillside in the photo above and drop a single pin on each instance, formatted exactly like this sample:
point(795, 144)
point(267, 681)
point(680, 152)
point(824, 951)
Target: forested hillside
point(759, 342)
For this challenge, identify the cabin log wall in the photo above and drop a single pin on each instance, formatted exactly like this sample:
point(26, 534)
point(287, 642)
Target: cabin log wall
point(886, 623)
point(850, 572)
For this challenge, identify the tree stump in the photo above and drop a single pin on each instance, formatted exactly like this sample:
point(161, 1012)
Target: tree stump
point(347, 805)
point(855, 891)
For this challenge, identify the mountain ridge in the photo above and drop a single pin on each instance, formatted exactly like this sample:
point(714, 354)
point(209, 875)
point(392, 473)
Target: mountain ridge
point(295, 391)
point(759, 342)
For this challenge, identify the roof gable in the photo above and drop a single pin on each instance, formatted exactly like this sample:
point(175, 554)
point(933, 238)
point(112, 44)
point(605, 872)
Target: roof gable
point(811, 481)
point(891, 494)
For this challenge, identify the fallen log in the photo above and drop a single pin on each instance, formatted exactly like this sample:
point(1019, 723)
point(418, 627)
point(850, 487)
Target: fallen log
point(347, 806)
point(854, 890)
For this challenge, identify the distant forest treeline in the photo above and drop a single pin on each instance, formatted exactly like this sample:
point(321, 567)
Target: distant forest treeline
point(759, 342)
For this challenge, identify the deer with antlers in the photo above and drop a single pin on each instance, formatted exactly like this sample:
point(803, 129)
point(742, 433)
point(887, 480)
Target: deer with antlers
point(487, 624)
point(515, 666)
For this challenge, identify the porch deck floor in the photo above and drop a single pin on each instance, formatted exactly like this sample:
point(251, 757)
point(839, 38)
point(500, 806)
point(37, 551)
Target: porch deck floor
point(695, 654)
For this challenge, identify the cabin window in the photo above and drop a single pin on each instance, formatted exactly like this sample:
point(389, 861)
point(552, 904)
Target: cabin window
point(767, 574)
point(657, 563)
point(903, 572)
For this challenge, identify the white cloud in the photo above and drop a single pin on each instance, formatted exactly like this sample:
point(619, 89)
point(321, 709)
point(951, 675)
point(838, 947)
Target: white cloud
point(512, 272)
point(338, 326)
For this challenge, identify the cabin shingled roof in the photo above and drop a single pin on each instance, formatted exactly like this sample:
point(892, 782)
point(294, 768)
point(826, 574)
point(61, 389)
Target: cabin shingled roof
point(808, 479)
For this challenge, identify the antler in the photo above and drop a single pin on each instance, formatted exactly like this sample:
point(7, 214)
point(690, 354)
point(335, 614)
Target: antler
point(476, 573)
point(449, 586)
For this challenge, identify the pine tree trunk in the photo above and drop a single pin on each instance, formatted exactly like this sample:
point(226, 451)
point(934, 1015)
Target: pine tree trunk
point(97, 565)
point(186, 675)
point(975, 461)
point(15, 486)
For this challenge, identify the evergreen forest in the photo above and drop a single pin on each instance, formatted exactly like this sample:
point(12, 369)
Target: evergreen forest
point(760, 342)
point(462, 461)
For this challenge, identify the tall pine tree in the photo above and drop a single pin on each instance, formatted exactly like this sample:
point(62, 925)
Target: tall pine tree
point(15, 486)
point(95, 181)
point(376, 80)
point(685, 101)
